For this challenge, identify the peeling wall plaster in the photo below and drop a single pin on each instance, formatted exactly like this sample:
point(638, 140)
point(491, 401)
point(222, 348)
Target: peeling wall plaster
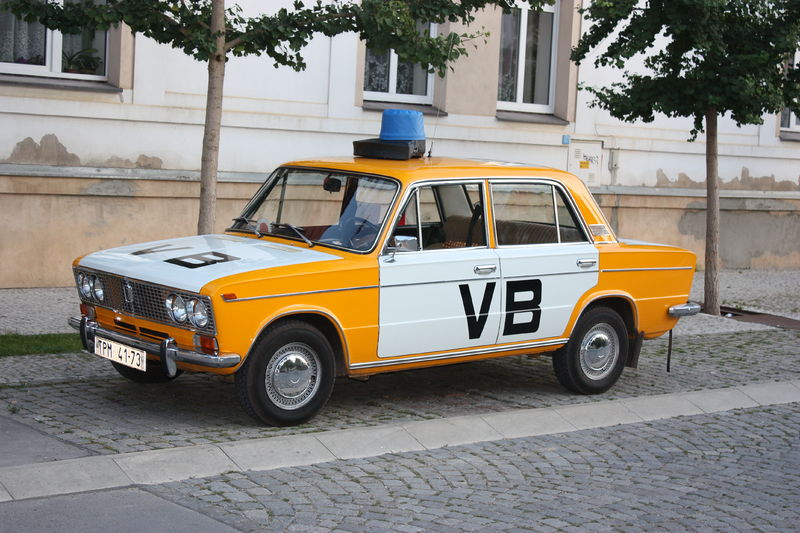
point(742, 182)
point(50, 151)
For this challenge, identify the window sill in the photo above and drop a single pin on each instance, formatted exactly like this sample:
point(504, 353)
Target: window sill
point(533, 118)
point(58, 83)
point(425, 109)
point(789, 136)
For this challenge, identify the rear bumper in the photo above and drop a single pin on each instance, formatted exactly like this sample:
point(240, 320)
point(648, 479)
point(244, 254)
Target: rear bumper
point(166, 349)
point(687, 309)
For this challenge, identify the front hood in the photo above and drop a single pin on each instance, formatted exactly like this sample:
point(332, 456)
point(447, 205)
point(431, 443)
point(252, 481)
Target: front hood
point(189, 263)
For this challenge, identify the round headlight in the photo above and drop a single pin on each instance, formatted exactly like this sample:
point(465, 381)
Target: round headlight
point(198, 315)
point(84, 286)
point(176, 308)
point(97, 288)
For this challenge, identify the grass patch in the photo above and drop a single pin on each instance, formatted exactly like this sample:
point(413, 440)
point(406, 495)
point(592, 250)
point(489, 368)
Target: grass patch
point(14, 344)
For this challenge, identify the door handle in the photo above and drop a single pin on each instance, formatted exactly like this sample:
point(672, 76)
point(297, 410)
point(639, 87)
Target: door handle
point(484, 269)
point(586, 263)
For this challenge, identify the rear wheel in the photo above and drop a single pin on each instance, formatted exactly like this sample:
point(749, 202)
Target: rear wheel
point(288, 377)
point(153, 374)
point(595, 355)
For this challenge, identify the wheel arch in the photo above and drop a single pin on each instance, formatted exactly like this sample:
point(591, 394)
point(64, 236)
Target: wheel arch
point(625, 306)
point(322, 321)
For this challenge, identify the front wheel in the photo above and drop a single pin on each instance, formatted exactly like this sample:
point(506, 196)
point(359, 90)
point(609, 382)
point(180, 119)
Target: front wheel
point(288, 377)
point(595, 355)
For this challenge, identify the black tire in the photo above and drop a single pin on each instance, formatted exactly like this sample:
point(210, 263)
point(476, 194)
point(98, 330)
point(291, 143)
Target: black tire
point(595, 355)
point(288, 376)
point(153, 374)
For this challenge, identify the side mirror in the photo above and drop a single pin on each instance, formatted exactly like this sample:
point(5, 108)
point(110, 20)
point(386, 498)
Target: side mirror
point(400, 243)
point(405, 243)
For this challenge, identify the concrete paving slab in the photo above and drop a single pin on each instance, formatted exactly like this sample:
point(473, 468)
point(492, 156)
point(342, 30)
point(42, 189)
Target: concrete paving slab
point(277, 452)
point(528, 423)
point(442, 432)
point(22, 445)
point(661, 406)
point(4, 495)
point(369, 442)
point(713, 401)
point(62, 477)
point(772, 393)
point(120, 510)
point(598, 414)
point(163, 466)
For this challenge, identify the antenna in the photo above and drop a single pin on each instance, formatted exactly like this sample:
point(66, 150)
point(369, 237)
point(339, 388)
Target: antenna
point(438, 111)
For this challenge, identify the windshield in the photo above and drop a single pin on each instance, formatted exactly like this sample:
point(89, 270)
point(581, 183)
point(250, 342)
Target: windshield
point(320, 206)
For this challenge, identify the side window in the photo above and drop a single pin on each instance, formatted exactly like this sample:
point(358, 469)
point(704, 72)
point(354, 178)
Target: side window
point(568, 227)
point(441, 216)
point(524, 213)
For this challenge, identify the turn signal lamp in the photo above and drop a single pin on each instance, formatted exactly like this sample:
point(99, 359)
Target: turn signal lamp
point(402, 137)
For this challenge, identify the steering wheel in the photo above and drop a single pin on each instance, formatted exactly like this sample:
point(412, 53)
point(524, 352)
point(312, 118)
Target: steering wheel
point(359, 232)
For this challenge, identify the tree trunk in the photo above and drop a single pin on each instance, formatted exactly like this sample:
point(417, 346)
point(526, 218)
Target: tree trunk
point(211, 131)
point(712, 299)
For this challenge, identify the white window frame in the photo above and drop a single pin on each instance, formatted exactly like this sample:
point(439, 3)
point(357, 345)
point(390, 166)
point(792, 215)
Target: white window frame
point(391, 95)
point(794, 119)
point(53, 62)
point(518, 104)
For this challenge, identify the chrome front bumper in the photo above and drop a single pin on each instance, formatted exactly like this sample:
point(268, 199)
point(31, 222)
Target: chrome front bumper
point(687, 309)
point(166, 349)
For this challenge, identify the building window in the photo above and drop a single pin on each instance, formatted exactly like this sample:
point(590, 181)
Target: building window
point(31, 49)
point(387, 79)
point(527, 60)
point(791, 121)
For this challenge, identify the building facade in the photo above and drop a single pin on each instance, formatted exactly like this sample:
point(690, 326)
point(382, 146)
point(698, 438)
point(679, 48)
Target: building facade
point(100, 137)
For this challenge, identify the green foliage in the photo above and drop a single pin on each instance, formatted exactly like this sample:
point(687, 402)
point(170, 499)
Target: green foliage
point(282, 35)
point(13, 344)
point(720, 56)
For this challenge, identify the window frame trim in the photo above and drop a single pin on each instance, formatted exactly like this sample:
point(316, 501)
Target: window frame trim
point(413, 188)
point(392, 95)
point(794, 118)
point(53, 63)
point(517, 104)
point(569, 202)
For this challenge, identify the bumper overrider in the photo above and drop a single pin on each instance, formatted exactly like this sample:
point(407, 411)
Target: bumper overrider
point(687, 309)
point(167, 350)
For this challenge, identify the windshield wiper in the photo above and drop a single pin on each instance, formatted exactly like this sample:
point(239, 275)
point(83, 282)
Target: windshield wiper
point(250, 225)
point(294, 228)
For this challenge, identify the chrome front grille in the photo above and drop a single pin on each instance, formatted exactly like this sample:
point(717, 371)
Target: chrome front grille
point(144, 300)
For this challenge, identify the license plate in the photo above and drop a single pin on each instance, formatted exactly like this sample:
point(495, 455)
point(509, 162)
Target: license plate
point(120, 353)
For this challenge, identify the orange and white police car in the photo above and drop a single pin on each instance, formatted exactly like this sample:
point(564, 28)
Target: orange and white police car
point(380, 262)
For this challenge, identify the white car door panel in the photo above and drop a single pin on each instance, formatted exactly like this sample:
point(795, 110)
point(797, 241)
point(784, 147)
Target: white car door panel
point(439, 300)
point(541, 284)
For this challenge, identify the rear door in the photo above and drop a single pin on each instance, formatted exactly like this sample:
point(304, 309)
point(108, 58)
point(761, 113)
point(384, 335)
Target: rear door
point(546, 259)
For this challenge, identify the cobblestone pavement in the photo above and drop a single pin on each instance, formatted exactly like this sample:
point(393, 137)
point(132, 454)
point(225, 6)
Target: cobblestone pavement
point(771, 291)
point(736, 471)
point(81, 400)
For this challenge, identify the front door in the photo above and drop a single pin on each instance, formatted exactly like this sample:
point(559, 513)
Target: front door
point(442, 291)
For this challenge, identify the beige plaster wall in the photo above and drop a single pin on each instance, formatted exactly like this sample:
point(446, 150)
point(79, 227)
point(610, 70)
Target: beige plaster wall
point(756, 232)
point(48, 222)
point(470, 88)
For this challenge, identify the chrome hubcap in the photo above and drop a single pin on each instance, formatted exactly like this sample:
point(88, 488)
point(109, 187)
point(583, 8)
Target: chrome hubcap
point(599, 351)
point(292, 376)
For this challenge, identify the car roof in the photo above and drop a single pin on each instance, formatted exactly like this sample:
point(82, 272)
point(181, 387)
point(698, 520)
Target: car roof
point(417, 169)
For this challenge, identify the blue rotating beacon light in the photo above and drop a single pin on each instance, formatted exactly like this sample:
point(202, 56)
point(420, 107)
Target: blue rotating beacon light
point(402, 137)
